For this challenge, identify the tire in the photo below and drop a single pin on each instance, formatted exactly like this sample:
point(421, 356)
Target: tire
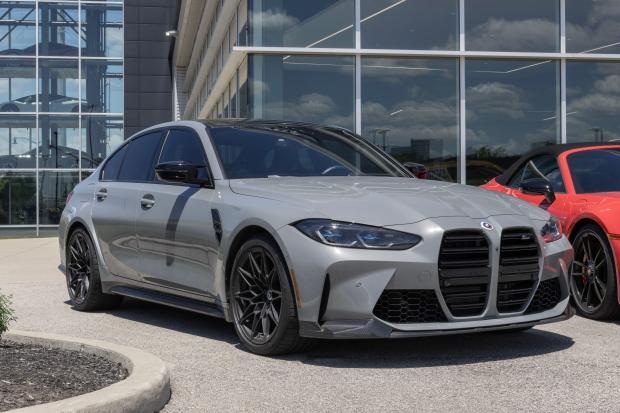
point(593, 279)
point(260, 278)
point(82, 274)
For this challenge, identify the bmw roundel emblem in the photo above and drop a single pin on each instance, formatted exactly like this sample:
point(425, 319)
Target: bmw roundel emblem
point(487, 226)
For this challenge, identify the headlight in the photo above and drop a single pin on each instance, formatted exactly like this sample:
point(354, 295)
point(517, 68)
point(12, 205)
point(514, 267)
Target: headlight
point(348, 235)
point(552, 231)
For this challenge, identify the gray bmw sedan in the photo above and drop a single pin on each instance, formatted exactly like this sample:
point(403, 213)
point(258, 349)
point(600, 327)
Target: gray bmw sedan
point(294, 231)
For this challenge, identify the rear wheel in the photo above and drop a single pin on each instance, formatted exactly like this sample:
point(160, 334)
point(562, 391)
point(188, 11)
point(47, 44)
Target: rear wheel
point(82, 272)
point(593, 275)
point(261, 296)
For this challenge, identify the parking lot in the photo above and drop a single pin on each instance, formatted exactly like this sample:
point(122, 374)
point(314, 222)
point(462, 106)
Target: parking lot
point(570, 366)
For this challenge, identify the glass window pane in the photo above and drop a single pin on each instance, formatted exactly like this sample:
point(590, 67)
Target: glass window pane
point(18, 85)
point(18, 198)
point(59, 86)
point(518, 26)
point(53, 190)
point(411, 24)
point(101, 135)
point(593, 26)
point(410, 109)
point(59, 29)
point(60, 141)
point(102, 86)
point(18, 141)
point(304, 88)
point(138, 164)
point(593, 101)
point(512, 107)
point(17, 29)
point(102, 27)
point(244, 104)
point(302, 23)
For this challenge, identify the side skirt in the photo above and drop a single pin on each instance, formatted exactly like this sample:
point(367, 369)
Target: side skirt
point(170, 300)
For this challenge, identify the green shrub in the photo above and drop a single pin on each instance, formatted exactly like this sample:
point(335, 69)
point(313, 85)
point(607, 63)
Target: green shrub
point(6, 313)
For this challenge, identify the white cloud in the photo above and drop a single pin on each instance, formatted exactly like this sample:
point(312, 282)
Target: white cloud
point(522, 35)
point(497, 98)
point(275, 19)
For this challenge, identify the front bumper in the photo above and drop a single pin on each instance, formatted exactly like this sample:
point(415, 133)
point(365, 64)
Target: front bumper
point(337, 289)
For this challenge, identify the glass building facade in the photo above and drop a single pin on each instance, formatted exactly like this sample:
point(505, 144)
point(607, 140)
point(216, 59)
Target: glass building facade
point(462, 86)
point(61, 103)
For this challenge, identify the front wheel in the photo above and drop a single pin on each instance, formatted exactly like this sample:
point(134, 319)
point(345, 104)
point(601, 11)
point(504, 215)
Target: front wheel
point(264, 312)
point(593, 275)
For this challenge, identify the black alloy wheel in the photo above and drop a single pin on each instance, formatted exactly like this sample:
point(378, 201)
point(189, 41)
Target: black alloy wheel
point(83, 278)
point(593, 275)
point(79, 268)
point(264, 312)
point(258, 295)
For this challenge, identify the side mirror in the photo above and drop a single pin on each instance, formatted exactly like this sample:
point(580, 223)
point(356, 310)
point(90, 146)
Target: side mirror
point(181, 172)
point(417, 169)
point(538, 186)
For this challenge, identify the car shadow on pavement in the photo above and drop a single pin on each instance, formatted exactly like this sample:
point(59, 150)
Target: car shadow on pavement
point(175, 319)
point(433, 351)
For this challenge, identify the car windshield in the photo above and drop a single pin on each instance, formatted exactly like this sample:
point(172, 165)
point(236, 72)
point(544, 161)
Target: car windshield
point(595, 170)
point(274, 151)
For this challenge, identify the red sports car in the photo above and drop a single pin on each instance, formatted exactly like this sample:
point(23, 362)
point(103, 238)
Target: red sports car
point(580, 185)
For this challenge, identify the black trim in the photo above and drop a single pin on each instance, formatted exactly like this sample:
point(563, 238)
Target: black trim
point(324, 298)
point(217, 224)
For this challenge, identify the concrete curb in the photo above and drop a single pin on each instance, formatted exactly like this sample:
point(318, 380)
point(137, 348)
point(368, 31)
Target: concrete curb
point(146, 389)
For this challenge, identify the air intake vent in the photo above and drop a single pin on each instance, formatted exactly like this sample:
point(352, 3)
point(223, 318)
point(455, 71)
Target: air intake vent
point(409, 306)
point(547, 296)
point(464, 272)
point(518, 269)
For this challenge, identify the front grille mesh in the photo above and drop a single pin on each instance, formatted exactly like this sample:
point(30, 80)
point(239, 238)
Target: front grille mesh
point(518, 269)
point(464, 272)
point(548, 295)
point(409, 306)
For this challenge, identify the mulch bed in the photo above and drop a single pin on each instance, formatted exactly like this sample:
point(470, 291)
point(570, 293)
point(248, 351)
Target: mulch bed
point(31, 374)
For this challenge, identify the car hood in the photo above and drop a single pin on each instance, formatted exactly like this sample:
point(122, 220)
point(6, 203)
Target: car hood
point(384, 201)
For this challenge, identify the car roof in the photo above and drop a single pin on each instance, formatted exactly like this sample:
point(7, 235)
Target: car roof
point(554, 150)
point(259, 123)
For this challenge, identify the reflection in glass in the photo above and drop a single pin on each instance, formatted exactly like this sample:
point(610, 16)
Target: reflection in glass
point(59, 29)
point(53, 190)
point(102, 86)
point(512, 107)
point(410, 109)
point(18, 141)
point(18, 203)
point(17, 28)
point(593, 26)
point(303, 88)
point(102, 27)
point(17, 85)
point(410, 24)
point(302, 23)
point(519, 26)
point(101, 135)
point(59, 85)
point(593, 101)
point(60, 141)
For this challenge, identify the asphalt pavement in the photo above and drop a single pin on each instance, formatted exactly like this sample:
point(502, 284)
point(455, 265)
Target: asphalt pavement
point(572, 366)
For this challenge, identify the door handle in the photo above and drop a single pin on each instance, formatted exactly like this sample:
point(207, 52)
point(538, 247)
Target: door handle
point(101, 194)
point(147, 201)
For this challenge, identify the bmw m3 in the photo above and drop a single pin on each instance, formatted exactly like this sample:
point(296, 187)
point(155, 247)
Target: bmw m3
point(294, 231)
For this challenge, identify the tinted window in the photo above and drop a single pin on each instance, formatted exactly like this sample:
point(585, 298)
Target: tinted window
point(595, 170)
point(543, 166)
point(113, 165)
point(138, 163)
point(297, 151)
point(184, 145)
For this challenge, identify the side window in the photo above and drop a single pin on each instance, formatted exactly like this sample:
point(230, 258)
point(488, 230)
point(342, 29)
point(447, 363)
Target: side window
point(543, 166)
point(138, 162)
point(184, 145)
point(113, 165)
